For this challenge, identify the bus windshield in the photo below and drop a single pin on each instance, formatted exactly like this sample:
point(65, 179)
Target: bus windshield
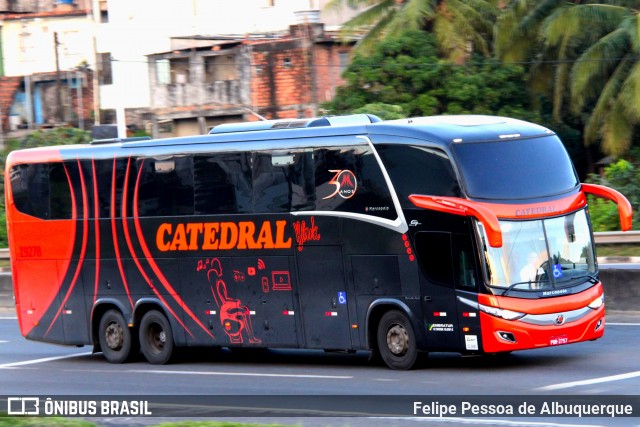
point(515, 169)
point(541, 254)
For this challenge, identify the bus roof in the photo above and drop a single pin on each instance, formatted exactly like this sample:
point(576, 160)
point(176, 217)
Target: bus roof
point(436, 130)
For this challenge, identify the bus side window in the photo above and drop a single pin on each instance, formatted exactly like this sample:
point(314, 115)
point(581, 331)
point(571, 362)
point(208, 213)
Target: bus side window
point(350, 179)
point(419, 170)
point(60, 204)
point(30, 189)
point(301, 176)
point(222, 184)
point(283, 181)
point(166, 186)
point(271, 191)
point(465, 271)
point(434, 254)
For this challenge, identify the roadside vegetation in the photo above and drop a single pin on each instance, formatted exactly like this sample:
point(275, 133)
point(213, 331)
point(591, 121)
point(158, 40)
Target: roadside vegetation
point(572, 66)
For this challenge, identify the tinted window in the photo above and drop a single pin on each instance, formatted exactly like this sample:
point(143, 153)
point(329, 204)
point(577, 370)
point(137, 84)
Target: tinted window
point(464, 265)
point(30, 189)
point(350, 179)
point(166, 186)
point(60, 196)
point(515, 169)
point(418, 170)
point(283, 181)
point(222, 183)
point(41, 190)
point(434, 254)
point(104, 171)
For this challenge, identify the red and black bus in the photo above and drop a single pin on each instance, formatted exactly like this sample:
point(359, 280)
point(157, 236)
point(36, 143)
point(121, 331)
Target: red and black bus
point(468, 234)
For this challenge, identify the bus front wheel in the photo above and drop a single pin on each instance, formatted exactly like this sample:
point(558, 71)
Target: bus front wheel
point(115, 337)
point(396, 341)
point(156, 338)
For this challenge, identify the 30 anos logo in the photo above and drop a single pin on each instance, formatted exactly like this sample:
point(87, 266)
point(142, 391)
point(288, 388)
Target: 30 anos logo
point(345, 182)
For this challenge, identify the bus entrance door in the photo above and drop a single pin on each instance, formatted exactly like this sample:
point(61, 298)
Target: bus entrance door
point(323, 298)
point(450, 270)
point(434, 249)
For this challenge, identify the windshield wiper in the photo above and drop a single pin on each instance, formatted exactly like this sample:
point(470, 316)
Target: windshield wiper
point(528, 282)
point(592, 278)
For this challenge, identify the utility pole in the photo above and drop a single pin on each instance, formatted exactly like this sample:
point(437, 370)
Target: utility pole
point(79, 86)
point(59, 112)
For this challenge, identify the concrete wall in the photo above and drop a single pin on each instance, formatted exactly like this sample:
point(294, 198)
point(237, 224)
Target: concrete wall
point(621, 288)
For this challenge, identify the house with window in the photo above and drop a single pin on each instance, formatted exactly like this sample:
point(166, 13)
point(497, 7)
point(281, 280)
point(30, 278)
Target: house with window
point(82, 62)
point(45, 63)
point(210, 80)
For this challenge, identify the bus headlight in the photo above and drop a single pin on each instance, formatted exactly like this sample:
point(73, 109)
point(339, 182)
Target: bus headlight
point(498, 312)
point(596, 303)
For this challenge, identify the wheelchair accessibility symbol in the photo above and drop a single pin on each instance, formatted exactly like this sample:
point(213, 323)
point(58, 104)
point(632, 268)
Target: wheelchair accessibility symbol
point(342, 297)
point(557, 271)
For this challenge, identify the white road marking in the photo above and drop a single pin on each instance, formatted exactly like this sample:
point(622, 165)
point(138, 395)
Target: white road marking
point(239, 374)
point(8, 318)
point(591, 381)
point(43, 360)
point(623, 324)
point(3, 342)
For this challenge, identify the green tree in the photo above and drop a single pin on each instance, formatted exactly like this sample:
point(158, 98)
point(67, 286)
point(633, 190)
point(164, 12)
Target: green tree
point(624, 176)
point(585, 56)
point(382, 110)
point(405, 71)
point(460, 26)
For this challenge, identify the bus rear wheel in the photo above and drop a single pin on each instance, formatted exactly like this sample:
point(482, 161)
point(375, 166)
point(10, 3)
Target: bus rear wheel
point(115, 337)
point(396, 341)
point(156, 338)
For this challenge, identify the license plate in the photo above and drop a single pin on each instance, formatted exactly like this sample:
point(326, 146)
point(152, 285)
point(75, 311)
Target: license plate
point(559, 340)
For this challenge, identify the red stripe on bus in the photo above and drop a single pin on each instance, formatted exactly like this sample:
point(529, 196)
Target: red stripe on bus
point(114, 232)
point(156, 269)
point(85, 238)
point(134, 256)
point(96, 225)
point(125, 226)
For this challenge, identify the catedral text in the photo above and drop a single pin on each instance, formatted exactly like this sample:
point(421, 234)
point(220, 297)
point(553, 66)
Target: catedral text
point(212, 236)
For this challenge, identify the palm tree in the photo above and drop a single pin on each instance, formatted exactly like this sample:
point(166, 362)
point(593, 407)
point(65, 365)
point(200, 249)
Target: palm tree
point(460, 26)
point(585, 58)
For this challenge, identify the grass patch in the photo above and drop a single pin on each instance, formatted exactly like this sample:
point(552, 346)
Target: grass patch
point(618, 250)
point(11, 421)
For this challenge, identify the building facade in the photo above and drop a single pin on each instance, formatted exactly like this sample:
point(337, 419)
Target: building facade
point(101, 53)
point(217, 80)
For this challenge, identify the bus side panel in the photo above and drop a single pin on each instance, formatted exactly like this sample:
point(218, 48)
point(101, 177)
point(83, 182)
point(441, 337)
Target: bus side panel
point(36, 286)
point(265, 285)
point(324, 298)
point(39, 267)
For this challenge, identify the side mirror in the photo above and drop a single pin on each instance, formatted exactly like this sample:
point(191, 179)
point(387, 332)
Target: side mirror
point(624, 206)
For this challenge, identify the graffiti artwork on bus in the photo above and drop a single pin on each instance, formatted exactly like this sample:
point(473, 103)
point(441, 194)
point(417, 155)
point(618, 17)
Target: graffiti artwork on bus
point(235, 317)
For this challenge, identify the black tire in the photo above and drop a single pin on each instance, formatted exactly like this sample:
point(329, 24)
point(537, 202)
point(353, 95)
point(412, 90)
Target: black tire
point(156, 338)
point(114, 335)
point(397, 341)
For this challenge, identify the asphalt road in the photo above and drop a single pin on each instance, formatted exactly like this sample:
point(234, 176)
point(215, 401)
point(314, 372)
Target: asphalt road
point(609, 366)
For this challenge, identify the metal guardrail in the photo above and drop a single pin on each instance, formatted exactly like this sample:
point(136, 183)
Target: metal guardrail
point(602, 237)
point(614, 237)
